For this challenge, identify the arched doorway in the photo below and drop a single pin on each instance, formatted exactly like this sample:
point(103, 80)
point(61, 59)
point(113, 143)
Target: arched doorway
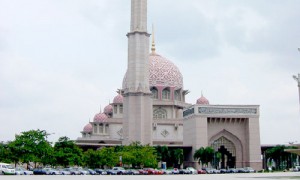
point(227, 150)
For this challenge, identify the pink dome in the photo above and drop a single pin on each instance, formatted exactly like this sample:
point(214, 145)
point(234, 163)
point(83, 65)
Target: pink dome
point(118, 99)
point(162, 73)
point(108, 109)
point(88, 128)
point(202, 100)
point(100, 117)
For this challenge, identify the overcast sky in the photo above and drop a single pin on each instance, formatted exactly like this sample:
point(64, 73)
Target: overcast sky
point(61, 60)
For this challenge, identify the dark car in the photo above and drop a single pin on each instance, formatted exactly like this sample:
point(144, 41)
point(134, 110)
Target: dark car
point(133, 172)
point(101, 171)
point(39, 171)
point(111, 172)
point(184, 171)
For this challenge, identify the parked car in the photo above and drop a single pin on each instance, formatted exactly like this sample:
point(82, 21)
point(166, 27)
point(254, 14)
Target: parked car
point(7, 169)
point(184, 171)
point(143, 172)
point(201, 171)
point(232, 170)
point(51, 171)
point(192, 170)
point(23, 171)
point(101, 171)
point(73, 171)
point(249, 169)
point(82, 171)
point(64, 172)
point(167, 171)
point(241, 170)
point(150, 171)
point(209, 170)
point(175, 171)
point(132, 172)
point(92, 172)
point(111, 172)
point(119, 170)
point(223, 171)
point(39, 171)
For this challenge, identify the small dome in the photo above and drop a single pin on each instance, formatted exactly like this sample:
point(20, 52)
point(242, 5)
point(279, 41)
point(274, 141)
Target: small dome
point(108, 109)
point(202, 100)
point(100, 117)
point(88, 128)
point(118, 99)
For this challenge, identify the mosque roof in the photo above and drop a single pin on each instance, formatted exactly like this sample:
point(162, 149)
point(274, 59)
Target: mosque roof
point(100, 117)
point(108, 109)
point(164, 72)
point(88, 128)
point(202, 100)
point(118, 99)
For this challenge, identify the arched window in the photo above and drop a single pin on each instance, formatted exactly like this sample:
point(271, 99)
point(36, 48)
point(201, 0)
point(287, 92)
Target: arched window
point(166, 93)
point(106, 129)
point(95, 129)
point(154, 93)
point(101, 128)
point(159, 114)
point(177, 95)
point(121, 109)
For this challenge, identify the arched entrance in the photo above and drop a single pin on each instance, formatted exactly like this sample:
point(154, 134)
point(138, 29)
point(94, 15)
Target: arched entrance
point(227, 150)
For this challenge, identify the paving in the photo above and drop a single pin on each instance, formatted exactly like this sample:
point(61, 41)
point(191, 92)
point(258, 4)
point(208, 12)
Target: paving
point(251, 176)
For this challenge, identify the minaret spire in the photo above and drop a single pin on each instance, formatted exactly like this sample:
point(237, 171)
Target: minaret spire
point(137, 102)
point(153, 41)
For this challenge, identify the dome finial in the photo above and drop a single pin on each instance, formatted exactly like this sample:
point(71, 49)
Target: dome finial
point(153, 40)
point(100, 109)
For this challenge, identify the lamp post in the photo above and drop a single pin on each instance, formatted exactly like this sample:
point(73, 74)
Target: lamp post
point(297, 79)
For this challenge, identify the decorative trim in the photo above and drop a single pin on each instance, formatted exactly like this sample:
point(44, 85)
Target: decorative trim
point(214, 110)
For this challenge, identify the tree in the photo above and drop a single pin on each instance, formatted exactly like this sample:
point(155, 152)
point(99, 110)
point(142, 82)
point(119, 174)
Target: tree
point(66, 152)
point(30, 146)
point(163, 153)
point(282, 159)
point(92, 158)
point(204, 155)
point(178, 156)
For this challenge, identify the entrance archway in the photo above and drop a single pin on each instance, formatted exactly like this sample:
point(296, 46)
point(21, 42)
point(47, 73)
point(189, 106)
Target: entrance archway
point(227, 150)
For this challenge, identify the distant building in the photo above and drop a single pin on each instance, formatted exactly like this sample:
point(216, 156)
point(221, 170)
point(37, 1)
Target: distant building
point(151, 108)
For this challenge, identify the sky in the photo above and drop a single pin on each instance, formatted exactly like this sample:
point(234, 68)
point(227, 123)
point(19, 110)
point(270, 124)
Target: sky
point(63, 60)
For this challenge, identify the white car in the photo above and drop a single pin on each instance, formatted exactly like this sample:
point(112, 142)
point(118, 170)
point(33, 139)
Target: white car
point(7, 169)
point(23, 171)
point(192, 170)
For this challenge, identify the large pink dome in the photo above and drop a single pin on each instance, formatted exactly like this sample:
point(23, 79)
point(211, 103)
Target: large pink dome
point(100, 117)
point(108, 109)
point(162, 73)
point(88, 128)
point(118, 99)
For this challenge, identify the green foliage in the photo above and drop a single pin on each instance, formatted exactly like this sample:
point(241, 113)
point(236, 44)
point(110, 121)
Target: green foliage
point(66, 152)
point(30, 146)
point(173, 157)
point(5, 153)
point(205, 155)
point(282, 159)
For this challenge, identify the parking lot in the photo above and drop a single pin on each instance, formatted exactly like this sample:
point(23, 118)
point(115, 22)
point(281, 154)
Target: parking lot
point(257, 176)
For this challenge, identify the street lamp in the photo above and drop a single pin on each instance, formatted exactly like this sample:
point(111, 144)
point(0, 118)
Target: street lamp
point(297, 79)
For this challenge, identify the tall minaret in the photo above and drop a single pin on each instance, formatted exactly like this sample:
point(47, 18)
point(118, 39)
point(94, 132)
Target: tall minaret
point(137, 122)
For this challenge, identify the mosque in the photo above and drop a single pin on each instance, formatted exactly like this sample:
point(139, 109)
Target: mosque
point(151, 108)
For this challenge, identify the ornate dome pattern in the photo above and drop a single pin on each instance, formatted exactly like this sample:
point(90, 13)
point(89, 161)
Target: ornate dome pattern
point(162, 72)
point(118, 99)
point(88, 128)
point(100, 117)
point(108, 109)
point(202, 100)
